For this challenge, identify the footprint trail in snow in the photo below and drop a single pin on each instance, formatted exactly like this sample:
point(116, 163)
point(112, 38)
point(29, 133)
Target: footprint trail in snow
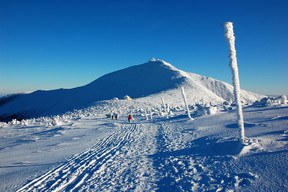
point(143, 157)
point(117, 162)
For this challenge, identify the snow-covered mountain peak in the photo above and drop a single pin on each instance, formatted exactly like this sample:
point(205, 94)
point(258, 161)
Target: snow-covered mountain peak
point(141, 80)
point(149, 80)
point(167, 66)
point(159, 62)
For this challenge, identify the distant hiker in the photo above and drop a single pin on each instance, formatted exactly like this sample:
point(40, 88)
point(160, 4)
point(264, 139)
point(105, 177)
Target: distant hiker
point(130, 118)
point(116, 116)
point(112, 116)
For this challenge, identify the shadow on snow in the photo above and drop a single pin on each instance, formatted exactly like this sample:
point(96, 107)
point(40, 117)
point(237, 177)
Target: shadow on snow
point(174, 167)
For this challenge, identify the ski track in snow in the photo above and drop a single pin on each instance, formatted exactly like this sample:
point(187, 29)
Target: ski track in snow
point(143, 157)
point(111, 165)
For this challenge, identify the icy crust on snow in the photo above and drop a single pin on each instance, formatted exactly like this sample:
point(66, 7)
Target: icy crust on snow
point(147, 80)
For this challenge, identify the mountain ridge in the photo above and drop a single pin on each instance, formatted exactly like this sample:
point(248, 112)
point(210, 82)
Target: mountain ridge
point(147, 81)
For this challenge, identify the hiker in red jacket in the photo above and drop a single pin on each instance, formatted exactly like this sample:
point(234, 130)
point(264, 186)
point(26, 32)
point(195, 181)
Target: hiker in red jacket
point(130, 118)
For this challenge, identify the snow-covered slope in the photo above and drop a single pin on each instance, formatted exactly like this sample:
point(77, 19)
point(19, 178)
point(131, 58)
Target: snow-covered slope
point(147, 81)
point(85, 151)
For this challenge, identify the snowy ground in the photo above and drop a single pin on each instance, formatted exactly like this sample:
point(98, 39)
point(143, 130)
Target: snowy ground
point(93, 153)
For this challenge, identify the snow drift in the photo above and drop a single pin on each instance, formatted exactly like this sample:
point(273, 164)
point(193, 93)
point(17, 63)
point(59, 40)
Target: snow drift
point(148, 81)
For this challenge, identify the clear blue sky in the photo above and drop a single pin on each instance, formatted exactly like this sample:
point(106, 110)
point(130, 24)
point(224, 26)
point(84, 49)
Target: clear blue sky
point(50, 44)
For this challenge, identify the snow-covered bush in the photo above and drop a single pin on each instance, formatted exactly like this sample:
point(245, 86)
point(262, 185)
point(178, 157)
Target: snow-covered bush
point(263, 102)
point(227, 106)
point(24, 122)
point(282, 99)
point(56, 120)
point(2, 124)
point(226, 103)
point(203, 110)
point(212, 110)
point(15, 122)
point(200, 110)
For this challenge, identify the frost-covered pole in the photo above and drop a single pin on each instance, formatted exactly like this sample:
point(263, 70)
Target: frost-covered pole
point(185, 101)
point(146, 115)
point(236, 83)
point(164, 105)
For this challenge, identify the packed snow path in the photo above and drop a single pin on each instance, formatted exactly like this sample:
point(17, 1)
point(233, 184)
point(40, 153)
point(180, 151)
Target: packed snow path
point(142, 157)
point(117, 162)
